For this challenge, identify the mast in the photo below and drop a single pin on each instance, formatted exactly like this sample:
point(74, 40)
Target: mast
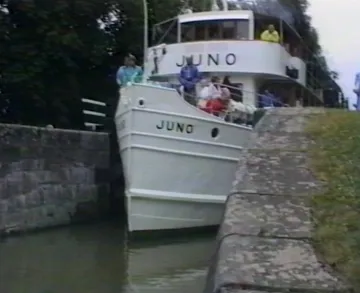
point(225, 5)
point(215, 7)
point(146, 32)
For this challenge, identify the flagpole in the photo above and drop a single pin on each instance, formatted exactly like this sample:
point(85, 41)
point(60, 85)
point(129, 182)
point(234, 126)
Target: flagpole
point(146, 32)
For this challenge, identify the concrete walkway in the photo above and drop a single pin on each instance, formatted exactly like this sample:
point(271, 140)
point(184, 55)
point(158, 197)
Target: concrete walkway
point(264, 242)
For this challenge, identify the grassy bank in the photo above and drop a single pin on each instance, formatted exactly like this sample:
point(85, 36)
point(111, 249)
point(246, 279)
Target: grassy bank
point(336, 160)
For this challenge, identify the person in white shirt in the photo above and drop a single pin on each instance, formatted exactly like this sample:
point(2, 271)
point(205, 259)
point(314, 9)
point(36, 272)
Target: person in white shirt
point(203, 93)
point(215, 88)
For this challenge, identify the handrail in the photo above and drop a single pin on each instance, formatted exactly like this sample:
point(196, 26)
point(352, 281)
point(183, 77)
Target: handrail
point(243, 91)
point(230, 87)
point(246, 91)
point(245, 115)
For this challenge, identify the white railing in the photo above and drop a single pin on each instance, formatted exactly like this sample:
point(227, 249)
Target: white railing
point(241, 107)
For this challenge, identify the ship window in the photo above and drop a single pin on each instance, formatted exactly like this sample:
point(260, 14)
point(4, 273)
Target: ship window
point(214, 30)
point(229, 30)
point(165, 32)
point(194, 31)
point(242, 29)
point(187, 32)
point(200, 31)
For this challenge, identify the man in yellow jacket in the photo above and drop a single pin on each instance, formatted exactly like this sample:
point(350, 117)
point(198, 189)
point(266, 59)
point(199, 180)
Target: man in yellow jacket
point(270, 35)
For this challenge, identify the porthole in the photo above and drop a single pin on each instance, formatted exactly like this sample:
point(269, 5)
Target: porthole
point(215, 132)
point(141, 102)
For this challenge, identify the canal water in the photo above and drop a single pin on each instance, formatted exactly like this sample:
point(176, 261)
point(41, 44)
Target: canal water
point(99, 259)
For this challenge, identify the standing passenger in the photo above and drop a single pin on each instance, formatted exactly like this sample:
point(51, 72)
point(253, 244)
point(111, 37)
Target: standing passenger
point(189, 76)
point(270, 35)
point(130, 72)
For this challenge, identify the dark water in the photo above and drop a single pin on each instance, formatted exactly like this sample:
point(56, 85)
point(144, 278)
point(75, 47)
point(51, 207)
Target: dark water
point(99, 259)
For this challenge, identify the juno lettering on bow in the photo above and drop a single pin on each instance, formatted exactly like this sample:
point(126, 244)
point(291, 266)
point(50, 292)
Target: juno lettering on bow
point(175, 126)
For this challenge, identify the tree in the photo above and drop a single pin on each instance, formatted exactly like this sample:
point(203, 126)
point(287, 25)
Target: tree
point(51, 47)
point(53, 53)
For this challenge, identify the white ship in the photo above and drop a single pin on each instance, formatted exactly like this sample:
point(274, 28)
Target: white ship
point(179, 161)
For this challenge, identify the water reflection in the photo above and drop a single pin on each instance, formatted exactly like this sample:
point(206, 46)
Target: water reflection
point(97, 259)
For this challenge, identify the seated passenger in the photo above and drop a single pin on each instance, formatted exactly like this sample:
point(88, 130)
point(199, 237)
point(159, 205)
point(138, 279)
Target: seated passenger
point(236, 92)
point(277, 101)
point(270, 35)
point(203, 93)
point(218, 106)
point(203, 90)
point(266, 100)
point(130, 72)
point(215, 90)
point(240, 113)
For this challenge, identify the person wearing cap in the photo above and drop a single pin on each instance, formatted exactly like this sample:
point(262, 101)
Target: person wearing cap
point(270, 35)
point(130, 72)
point(189, 76)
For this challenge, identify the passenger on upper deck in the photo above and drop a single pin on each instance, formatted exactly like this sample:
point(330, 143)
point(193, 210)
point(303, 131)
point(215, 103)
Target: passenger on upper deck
point(189, 76)
point(130, 72)
point(270, 35)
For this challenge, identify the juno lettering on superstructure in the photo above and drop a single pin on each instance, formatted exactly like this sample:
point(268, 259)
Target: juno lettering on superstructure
point(210, 59)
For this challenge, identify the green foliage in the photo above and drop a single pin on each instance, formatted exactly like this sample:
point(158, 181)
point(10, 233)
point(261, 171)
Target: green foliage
point(53, 53)
point(336, 160)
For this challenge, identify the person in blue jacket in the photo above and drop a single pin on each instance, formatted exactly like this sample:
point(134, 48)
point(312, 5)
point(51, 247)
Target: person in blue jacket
point(189, 77)
point(130, 72)
point(269, 100)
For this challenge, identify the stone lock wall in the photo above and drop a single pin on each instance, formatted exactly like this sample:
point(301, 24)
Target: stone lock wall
point(51, 177)
point(265, 239)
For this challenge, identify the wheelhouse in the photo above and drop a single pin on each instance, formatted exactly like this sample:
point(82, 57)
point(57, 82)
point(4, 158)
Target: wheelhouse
point(205, 26)
point(244, 25)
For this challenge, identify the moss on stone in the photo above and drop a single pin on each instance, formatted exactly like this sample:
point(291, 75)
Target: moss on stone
point(335, 158)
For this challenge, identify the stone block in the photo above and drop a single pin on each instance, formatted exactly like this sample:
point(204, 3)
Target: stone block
point(45, 174)
point(75, 174)
point(86, 193)
point(266, 215)
point(14, 222)
point(19, 135)
point(3, 206)
point(273, 264)
point(63, 138)
point(95, 141)
point(26, 165)
point(56, 194)
point(282, 141)
point(274, 172)
point(291, 120)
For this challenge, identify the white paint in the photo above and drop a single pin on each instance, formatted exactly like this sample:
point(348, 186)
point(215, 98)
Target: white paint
point(88, 112)
point(177, 178)
point(234, 58)
point(215, 15)
point(93, 102)
point(174, 179)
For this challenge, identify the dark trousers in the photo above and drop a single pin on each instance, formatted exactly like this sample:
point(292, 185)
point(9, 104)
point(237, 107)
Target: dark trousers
point(190, 96)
